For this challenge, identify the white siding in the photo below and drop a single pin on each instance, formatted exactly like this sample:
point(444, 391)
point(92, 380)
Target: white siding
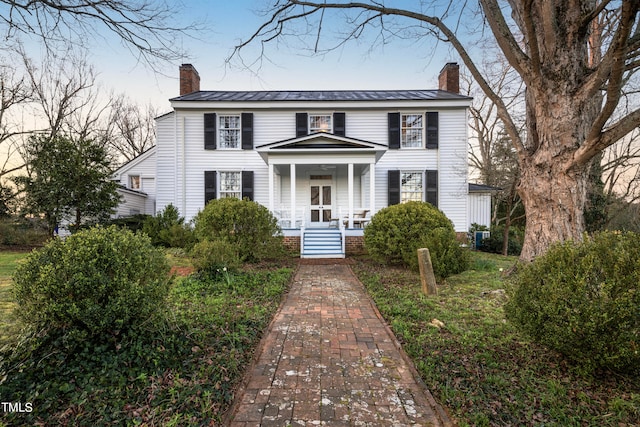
point(143, 166)
point(166, 146)
point(369, 126)
point(453, 166)
point(480, 209)
point(182, 160)
point(131, 204)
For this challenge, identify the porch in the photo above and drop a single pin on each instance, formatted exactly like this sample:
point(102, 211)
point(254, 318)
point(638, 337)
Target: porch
point(322, 185)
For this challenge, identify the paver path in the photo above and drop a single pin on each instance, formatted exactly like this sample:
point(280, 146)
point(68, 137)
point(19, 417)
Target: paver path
point(329, 359)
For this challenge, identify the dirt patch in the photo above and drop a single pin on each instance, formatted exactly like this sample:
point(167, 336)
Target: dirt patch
point(181, 271)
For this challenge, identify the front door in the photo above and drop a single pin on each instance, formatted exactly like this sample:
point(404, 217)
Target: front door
point(321, 200)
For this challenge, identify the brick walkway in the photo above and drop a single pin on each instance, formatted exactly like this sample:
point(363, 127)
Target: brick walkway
point(329, 359)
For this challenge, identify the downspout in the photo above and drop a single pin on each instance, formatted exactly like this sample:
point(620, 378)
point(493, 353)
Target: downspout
point(175, 157)
point(184, 161)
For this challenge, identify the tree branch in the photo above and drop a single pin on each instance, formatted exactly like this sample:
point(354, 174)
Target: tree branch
point(607, 138)
point(282, 14)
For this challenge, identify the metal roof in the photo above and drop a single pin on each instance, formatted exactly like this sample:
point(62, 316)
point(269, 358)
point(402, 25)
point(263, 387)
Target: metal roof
point(482, 188)
point(320, 95)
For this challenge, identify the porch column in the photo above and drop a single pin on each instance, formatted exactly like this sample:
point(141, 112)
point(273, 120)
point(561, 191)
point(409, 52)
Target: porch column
point(271, 188)
point(350, 190)
point(372, 188)
point(292, 172)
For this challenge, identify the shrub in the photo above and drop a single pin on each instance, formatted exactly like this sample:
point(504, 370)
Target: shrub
point(582, 300)
point(494, 243)
point(169, 229)
point(246, 224)
point(22, 232)
point(447, 257)
point(96, 282)
point(398, 231)
point(133, 222)
point(212, 255)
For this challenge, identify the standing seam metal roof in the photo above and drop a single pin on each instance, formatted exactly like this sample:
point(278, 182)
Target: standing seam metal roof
point(321, 95)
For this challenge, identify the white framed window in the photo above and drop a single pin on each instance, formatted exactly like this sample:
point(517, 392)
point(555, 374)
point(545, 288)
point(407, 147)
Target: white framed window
point(319, 123)
point(411, 188)
point(229, 131)
point(231, 184)
point(134, 182)
point(411, 129)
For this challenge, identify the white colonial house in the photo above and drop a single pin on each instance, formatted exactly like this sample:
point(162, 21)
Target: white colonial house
point(324, 162)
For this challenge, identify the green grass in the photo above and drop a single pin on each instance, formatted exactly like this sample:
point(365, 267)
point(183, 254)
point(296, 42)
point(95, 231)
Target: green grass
point(478, 366)
point(181, 370)
point(9, 325)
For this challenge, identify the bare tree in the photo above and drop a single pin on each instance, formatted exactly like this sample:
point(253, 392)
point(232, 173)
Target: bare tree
point(621, 168)
point(148, 28)
point(14, 92)
point(574, 83)
point(63, 88)
point(130, 128)
point(488, 132)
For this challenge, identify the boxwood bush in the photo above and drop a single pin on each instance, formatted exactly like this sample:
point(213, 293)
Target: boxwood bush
point(169, 229)
point(398, 231)
point(247, 225)
point(583, 300)
point(97, 282)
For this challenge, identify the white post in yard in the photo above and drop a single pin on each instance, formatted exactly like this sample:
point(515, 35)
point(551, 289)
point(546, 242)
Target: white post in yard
point(427, 277)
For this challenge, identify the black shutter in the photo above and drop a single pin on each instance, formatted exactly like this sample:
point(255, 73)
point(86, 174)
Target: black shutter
point(210, 187)
point(432, 130)
point(247, 185)
point(247, 131)
point(302, 124)
point(210, 131)
point(394, 187)
point(394, 131)
point(339, 124)
point(431, 186)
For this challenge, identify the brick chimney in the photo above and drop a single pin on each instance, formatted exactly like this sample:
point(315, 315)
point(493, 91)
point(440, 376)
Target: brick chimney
point(449, 78)
point(189, 79)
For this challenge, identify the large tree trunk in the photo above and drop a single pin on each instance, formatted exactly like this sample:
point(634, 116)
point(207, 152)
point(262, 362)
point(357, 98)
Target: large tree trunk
point(554, 202)
point(552, 187)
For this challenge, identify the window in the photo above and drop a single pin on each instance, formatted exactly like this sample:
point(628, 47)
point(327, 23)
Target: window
point(230, 184)
point(229, 132)
point(411, 186)
point(319, 123)
point(134, 182)
point(411, 131)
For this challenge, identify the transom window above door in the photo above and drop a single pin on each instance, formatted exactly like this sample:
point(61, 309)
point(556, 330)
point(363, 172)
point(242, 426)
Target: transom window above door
point(411, 131)
point(319, 123)
point(229, 131)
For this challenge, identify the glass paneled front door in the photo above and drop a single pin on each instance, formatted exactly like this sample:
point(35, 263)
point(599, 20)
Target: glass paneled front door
point(321, 200)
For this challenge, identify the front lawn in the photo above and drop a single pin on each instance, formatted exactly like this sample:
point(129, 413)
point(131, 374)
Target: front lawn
point(184, 373)
point(478, 366)
point(9, 326)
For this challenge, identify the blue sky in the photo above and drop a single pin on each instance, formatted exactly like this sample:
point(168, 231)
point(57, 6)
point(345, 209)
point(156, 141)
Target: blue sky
point(400, 65)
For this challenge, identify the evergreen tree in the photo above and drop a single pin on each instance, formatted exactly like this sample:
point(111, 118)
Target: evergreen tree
point(68, 180)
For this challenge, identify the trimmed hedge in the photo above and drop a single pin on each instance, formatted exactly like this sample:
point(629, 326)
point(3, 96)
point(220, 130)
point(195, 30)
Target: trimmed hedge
point(100, 281)
point(583, 300)
point(246, 225)
point(398, 231)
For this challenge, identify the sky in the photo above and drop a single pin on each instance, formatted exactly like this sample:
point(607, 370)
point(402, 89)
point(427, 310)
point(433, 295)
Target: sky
point(398, 65)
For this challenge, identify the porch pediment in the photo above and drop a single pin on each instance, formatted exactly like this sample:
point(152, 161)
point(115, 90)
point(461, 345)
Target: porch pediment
point(322, 143)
